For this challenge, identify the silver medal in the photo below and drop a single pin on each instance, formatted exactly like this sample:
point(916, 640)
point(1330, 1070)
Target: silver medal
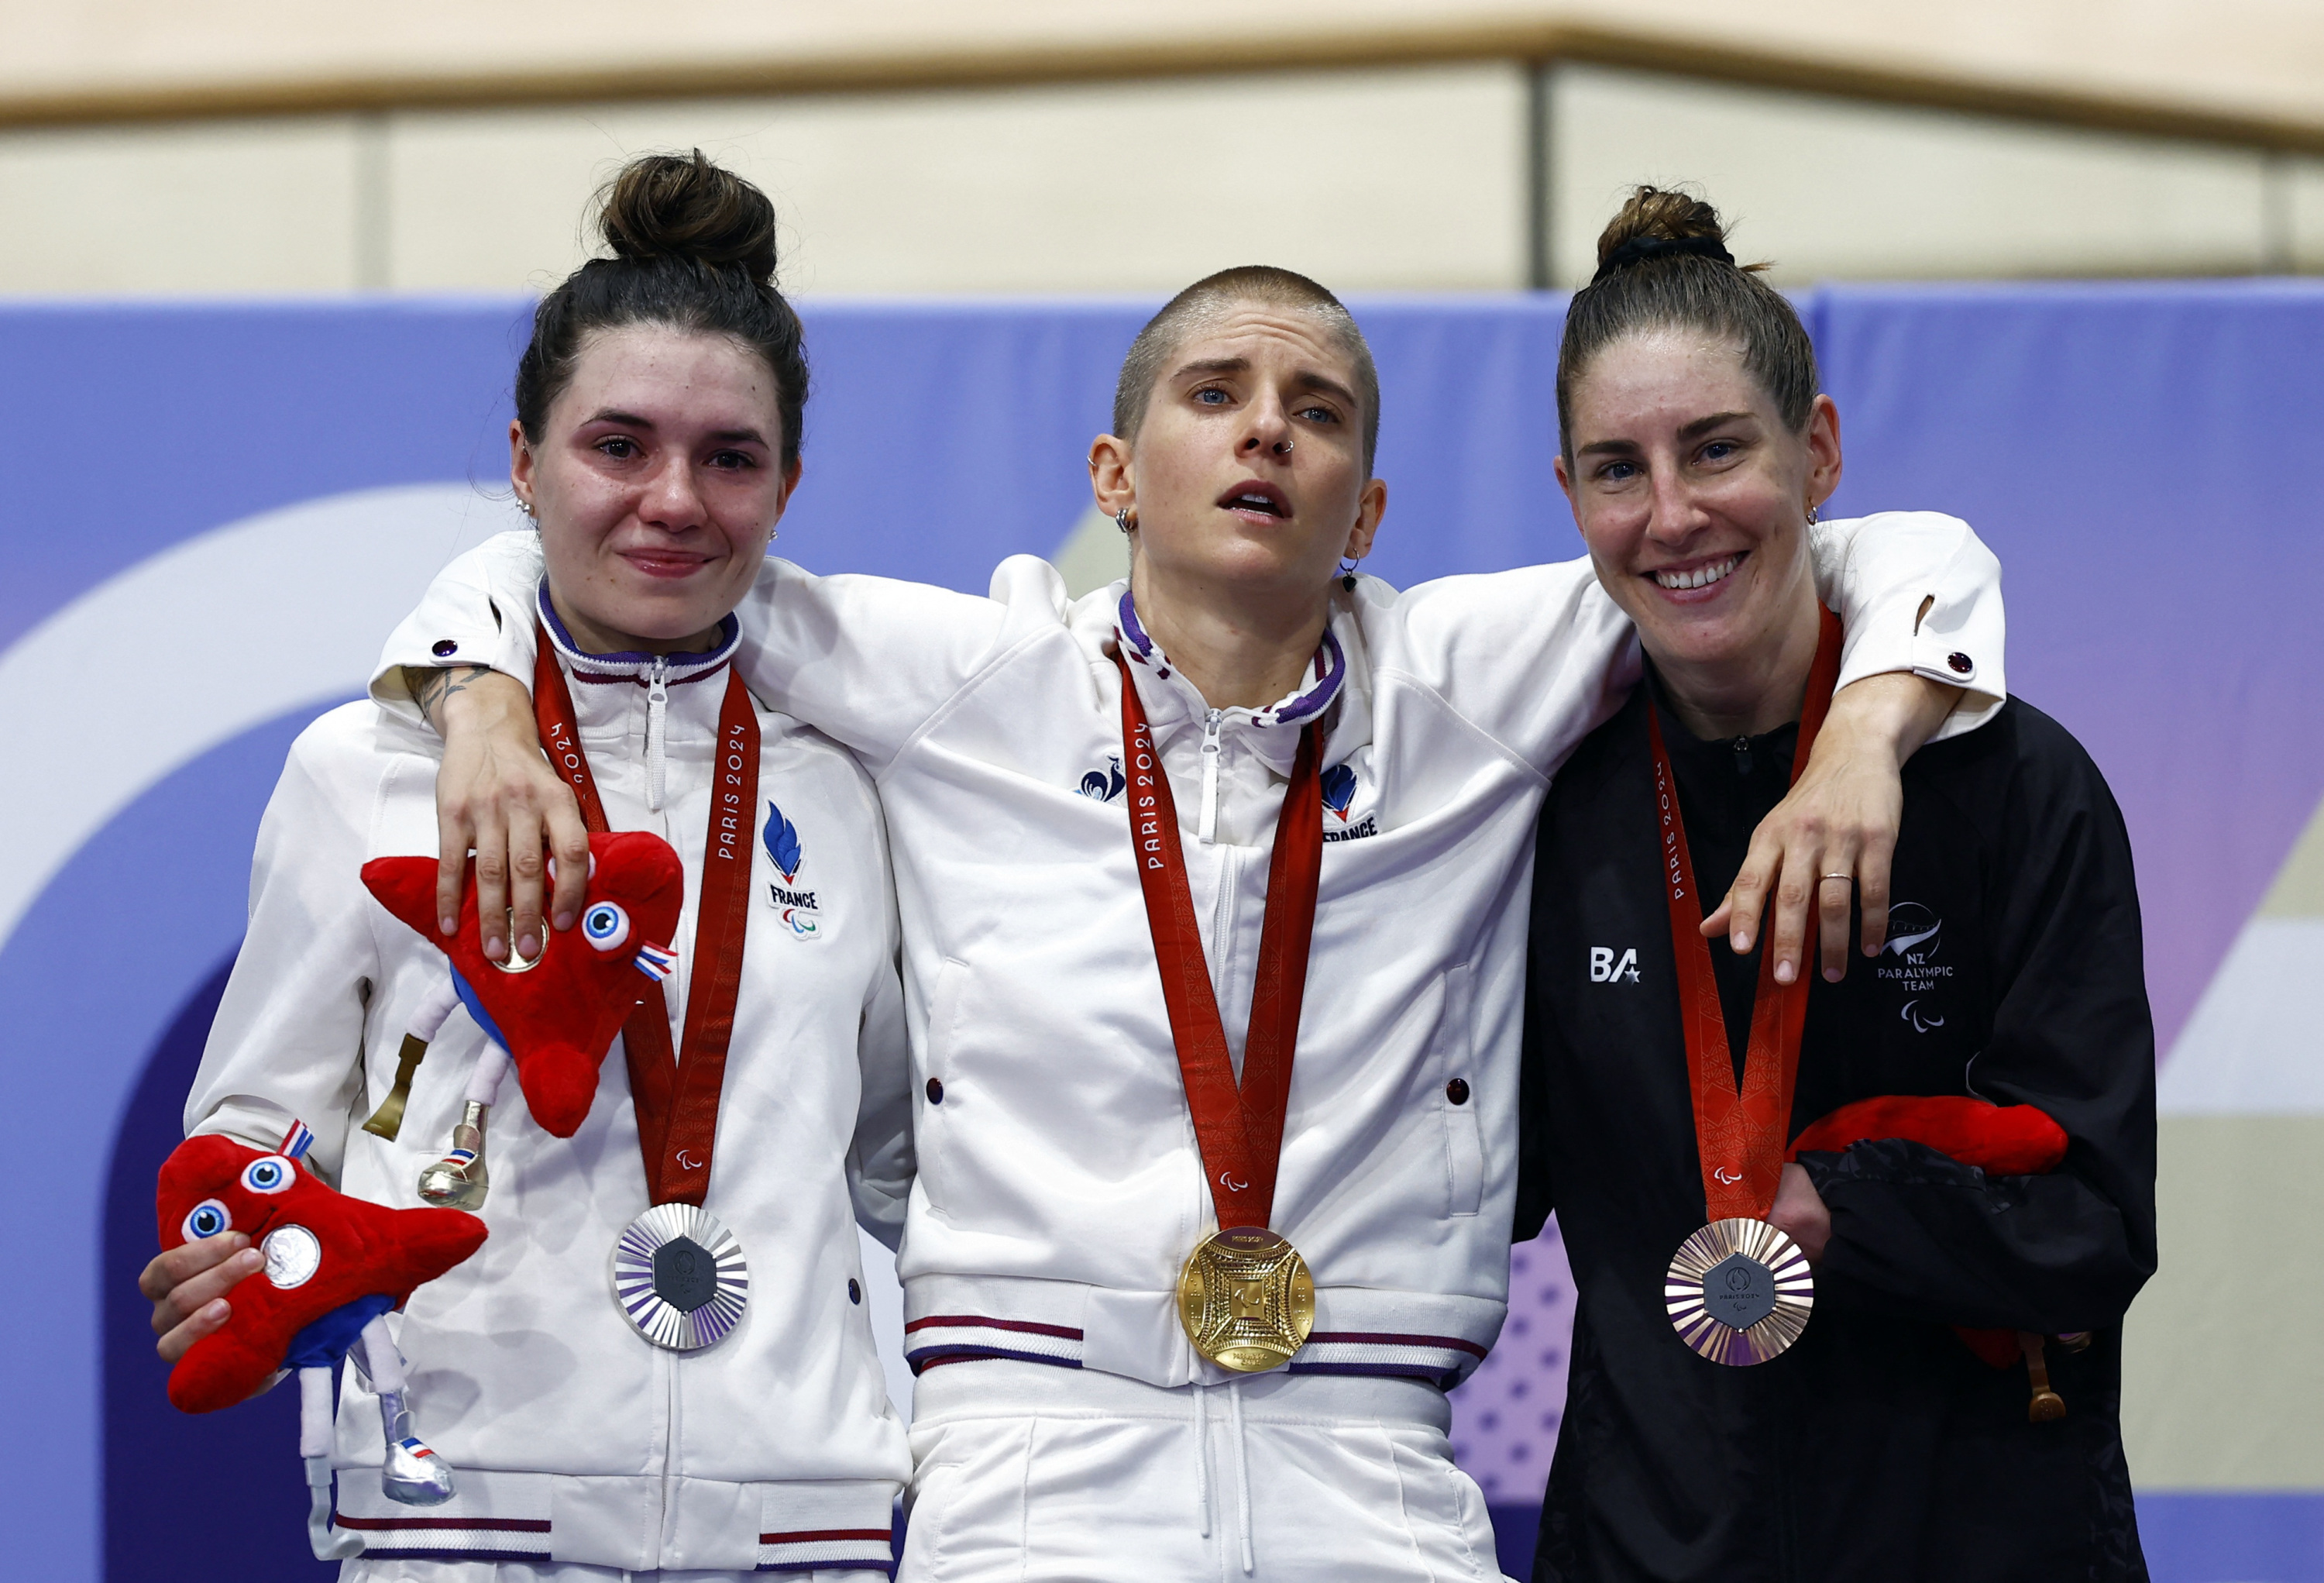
point(679, 1277)
point(293, 1255)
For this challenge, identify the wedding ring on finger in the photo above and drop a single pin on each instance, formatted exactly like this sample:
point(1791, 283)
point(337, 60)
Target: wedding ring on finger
point(1848, 877)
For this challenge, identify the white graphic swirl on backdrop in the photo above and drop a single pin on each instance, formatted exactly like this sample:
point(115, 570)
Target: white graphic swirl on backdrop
point(247, 623)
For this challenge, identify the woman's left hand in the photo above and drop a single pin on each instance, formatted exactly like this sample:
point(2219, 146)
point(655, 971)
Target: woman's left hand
point(1840, 819)
point(1799, 1213)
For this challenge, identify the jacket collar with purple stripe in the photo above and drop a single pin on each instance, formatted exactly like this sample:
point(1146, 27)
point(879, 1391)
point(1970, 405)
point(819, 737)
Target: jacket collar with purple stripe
point(1272, 733)
point(611, 690)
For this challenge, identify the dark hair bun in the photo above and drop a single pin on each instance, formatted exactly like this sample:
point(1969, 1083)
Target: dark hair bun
point(694, 251)
point(1662, 264)
point(684, 207)
point(1660, 215)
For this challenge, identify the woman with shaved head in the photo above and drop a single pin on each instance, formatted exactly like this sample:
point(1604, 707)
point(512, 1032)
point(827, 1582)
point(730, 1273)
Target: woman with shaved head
point(1215, 1021)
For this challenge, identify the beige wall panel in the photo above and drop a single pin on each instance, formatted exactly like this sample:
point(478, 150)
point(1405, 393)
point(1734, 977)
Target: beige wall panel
point(1369, 180)
point(2237, 57)
point(2303, 217)
point(1831, 188)
point(2220, 1375)
point(202, 207)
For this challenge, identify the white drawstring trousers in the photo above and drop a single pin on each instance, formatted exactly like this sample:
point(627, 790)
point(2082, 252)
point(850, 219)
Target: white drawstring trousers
point(1033, 1474)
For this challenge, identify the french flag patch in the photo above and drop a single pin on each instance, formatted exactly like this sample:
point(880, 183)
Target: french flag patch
point(656, 962)
point(297, 1141)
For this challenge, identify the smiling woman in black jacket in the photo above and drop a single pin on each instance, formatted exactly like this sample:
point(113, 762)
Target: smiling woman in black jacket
point(1912, 1429)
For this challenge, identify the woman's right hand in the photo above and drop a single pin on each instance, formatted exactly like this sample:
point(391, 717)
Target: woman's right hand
point(497, 796)
point(188, 1285)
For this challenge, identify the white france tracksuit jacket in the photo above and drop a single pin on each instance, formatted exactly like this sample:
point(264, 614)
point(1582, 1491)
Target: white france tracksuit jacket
point(1059, 1186)
point(572, 1438)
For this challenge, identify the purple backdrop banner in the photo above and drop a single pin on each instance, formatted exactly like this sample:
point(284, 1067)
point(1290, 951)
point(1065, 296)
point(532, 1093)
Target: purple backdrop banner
point(2142, 459)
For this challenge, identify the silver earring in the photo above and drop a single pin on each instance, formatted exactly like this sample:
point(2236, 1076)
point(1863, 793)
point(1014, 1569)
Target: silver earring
point(1348, 573)
point(1123, 520)
point(1812, 516)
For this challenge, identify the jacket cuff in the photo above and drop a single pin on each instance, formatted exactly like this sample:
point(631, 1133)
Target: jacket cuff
point(471, 615)
point(1927, 595)
point(1960, 640)
point(1893, 1162)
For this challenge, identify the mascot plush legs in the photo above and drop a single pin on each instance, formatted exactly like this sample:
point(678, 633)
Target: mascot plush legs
point(409, 1471)
point(551, 1018)
point(335, 1266)
point(460, 1180)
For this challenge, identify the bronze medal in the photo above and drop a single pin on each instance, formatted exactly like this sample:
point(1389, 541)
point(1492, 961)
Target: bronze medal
point(1739, 1291)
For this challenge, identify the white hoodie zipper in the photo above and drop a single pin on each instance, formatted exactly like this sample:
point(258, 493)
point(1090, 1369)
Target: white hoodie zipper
point(1212, 722)
point(657, 708)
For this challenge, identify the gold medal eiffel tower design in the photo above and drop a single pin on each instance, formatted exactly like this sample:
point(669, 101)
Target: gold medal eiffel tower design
point(1247, 1299)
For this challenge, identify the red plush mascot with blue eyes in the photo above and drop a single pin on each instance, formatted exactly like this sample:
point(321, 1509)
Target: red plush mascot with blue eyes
point(334, 1266)
point(337, 1265)
point(553, 1017)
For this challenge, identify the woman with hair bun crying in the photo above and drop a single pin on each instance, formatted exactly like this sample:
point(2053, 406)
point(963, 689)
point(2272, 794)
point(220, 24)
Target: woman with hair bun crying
point(604, 1426)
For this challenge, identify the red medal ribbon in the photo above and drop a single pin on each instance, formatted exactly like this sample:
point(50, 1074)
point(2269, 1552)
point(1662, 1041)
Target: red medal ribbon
point(1238, 1130)
point(1739, 1133)
point(677, 1095)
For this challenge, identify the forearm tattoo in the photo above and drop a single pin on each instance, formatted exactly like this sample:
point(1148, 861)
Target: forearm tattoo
point(429, 688)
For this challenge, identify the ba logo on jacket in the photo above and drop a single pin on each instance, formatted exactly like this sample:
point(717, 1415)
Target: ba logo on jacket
point(800, 913)
point(1605, 967)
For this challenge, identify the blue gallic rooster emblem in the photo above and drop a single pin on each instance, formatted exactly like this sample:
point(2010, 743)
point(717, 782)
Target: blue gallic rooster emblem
point(1104, 786)
point(1339, 789)
point(781, 839)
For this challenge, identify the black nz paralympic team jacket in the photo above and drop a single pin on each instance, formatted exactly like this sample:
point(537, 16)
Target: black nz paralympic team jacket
point(1879, 1447)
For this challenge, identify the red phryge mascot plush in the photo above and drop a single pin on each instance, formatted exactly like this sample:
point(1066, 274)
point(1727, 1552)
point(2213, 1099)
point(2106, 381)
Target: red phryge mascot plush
point(556, 1016)
point(2001, 1140)
point(334, 1266)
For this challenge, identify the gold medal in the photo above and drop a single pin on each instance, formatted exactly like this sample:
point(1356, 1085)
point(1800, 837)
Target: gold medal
point(1244, 1295)
point(1739, 1291)
point(1246, 1299)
